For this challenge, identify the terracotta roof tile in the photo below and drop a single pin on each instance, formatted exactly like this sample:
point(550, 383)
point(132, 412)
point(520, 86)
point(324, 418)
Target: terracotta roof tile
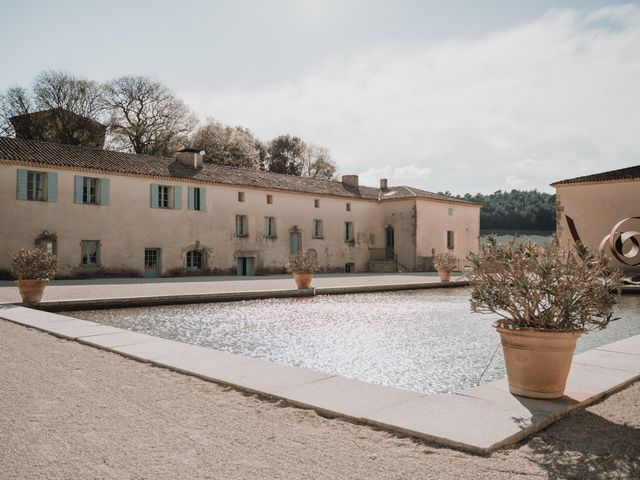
point(629, 173)
point(71, 156)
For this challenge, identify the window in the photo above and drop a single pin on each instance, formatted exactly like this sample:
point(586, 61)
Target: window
point(90, 255)
point(269, 199)
point(450, 240)
point(241, 196)
point(317, 229)
point(241, 225)
point(197, 198)
point(348, 231)
point(349, 268)
point(48, 245)
point(348, 207)
point(163, 196)
point(36, 186)
point(270, 227)
point(90, 188)
point(166, 196)
point(194, 260)
point(450, 212)
point(316, 203)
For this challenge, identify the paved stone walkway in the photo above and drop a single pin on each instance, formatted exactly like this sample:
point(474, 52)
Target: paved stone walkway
point(147, 287)
point(73, 411)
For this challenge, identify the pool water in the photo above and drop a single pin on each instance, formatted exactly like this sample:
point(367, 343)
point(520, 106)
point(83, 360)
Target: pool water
point(422, 340)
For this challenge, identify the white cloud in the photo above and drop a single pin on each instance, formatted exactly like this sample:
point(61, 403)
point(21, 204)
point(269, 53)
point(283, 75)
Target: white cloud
point(405, 175)
point(558, 97)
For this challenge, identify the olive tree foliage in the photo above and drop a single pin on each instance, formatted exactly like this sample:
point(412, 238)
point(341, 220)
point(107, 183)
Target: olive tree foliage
point(144, 116)
point(60, 93)
point(225, 145)
point(291, 155)
point(285, 154)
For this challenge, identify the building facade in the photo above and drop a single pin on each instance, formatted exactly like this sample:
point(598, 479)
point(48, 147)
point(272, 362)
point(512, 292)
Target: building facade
point(143, 215)
point(602, 211)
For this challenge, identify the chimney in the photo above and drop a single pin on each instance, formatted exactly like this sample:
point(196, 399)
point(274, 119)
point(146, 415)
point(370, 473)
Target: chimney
point(350, 180)
point(383, 184)
point(191, 157)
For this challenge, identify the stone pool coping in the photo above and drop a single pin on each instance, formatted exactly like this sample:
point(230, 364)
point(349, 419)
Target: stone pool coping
point(479, 420)
point(233, 296)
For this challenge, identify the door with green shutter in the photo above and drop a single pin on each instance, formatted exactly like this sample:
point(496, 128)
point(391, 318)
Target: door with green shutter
point(152, 262)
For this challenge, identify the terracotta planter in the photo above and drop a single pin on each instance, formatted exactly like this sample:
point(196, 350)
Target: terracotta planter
point(445, 275)
point(31, 290)
point(537, 361)
point(303, 279)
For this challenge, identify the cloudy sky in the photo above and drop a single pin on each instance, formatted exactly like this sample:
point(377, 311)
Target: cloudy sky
point(464, 96)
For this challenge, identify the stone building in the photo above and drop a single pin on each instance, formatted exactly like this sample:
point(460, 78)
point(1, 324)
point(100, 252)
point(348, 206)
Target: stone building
point(602, 211)
point(60, 126)
point(113, 211)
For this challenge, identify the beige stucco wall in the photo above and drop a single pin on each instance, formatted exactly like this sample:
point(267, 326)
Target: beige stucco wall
point(435, 218)
point(128, 225)
point(596, 208)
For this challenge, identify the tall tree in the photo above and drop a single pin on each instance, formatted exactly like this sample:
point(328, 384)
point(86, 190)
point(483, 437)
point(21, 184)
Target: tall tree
point(225, 145)
point(146, 117)
point(72, 104)
point(317, 163)
point(286, 155)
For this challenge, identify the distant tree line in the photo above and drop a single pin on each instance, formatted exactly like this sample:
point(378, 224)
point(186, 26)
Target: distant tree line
point(143, 116)
point(515, 210)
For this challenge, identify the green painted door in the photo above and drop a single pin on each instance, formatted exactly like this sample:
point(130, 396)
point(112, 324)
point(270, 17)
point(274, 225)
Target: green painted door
point(295, 243)
point(245, 266)
point(151, 262)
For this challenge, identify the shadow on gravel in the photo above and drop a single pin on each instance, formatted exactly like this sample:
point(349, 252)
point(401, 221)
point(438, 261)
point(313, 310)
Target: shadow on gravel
point(588, 446)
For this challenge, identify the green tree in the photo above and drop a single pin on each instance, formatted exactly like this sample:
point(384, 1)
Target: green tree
point(285, 154)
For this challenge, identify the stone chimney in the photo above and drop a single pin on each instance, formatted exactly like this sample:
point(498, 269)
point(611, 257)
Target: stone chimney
point(383, 184)
point(350, 180)
point(191, 157)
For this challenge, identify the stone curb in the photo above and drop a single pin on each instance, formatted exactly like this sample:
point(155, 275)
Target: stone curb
point(478, 420)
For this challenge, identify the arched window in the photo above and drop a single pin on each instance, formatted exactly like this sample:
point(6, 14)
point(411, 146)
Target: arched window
point(194, 260)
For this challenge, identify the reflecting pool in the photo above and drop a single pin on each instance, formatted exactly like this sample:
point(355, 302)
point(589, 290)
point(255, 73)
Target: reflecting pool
point(422, 340)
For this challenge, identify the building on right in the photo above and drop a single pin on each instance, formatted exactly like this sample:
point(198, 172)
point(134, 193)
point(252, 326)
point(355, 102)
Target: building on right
point(602, 211)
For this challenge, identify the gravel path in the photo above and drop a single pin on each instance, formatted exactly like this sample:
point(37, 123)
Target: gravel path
point(72, 411)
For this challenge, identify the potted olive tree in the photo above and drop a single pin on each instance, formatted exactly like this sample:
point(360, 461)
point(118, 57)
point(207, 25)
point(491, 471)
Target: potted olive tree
point(445, 263)
point(545, 298)
point(303, 265)
point(32, 270)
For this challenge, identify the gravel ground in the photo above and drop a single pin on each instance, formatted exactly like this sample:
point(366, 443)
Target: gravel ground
point(72, 411)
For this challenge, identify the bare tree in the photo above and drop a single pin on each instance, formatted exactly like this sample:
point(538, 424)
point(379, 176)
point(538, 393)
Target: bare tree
point(225, 145)
point(146, 117)
point(59, 107)
point(317, 163)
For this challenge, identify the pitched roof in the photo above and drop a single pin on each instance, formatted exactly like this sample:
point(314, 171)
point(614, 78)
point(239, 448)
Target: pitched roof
point(629, 173)
point(72, 156)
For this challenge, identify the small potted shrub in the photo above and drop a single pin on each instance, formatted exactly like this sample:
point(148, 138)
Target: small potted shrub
point(32, 270)
point(545, 298)
point(445, 263)
point(303, 265)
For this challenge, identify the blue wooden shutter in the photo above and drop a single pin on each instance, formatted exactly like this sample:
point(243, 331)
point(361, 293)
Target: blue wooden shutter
point(78, 183)
point(52, 187)
point(21, 191)
point(191, 206)
point(154, 195)
point(203, 198)
point(177, 197)
point(104, 191)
